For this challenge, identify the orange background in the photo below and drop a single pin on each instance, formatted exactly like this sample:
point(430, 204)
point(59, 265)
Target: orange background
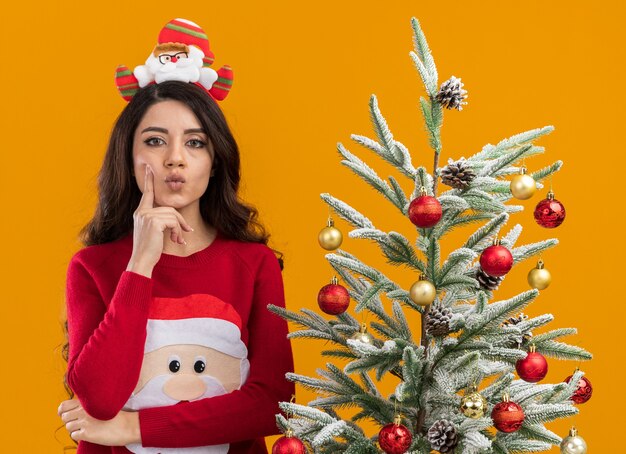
point(303, 78)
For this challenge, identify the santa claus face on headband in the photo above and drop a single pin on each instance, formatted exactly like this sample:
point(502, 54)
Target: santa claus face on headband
point(171, 52)
point(173, 61)
point(182, 54)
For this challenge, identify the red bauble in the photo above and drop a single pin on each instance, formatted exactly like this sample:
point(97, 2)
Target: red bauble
point(583, 391)
point(333, 298)
point(496, 260)
point(395, 438)
point(533, 368)
point(507, 416)
point(288, 445)
point(425, 211)
point(549, 213)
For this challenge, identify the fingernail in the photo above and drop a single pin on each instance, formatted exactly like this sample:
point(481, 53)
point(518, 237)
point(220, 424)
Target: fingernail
point(191, 228)
point(184, 242)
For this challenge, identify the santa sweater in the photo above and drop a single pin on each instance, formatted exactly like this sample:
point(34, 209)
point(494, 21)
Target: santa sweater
point(107, 313)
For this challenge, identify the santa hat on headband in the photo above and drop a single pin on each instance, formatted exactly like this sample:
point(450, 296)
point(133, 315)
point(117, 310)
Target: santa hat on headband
point(194, 68)
point(198, 319)
point(185, 31)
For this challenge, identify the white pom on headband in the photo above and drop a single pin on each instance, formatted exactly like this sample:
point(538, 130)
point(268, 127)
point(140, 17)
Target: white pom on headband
point(182, 53)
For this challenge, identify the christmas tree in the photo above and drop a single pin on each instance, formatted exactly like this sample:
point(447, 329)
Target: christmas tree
point(469, 378)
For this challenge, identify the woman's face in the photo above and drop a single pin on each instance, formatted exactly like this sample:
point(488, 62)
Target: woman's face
point(170, 139)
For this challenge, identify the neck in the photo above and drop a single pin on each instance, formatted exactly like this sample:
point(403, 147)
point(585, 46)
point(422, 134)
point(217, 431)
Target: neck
point(203, 234)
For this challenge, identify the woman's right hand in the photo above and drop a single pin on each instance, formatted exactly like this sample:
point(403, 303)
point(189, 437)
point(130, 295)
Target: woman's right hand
point(150, 223)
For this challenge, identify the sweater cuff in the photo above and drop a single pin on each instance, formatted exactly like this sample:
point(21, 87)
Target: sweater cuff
point(152, 427)
point(134, 290)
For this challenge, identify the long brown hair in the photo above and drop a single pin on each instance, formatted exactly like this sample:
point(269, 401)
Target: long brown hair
point(119, 194)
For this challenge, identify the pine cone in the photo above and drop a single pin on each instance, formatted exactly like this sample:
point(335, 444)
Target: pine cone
point(442, 436)
point(451, 94)
point(438, 320)
point(487, 281)
point(457, 174)
point(525, 337)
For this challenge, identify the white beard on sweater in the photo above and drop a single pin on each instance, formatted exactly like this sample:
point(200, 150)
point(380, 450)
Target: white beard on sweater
point(152, 395)
point(185, 70)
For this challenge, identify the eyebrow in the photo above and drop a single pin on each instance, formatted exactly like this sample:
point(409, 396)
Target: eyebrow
point(165, 131)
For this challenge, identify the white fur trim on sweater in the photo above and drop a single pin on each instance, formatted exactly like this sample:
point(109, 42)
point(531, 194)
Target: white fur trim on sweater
point(218, 334)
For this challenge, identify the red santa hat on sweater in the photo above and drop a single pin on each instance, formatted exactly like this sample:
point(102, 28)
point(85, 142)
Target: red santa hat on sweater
point(198, 319)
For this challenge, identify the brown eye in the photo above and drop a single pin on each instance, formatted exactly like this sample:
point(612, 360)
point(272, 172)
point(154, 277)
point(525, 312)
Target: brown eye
point(200, 144)
point(150, 142)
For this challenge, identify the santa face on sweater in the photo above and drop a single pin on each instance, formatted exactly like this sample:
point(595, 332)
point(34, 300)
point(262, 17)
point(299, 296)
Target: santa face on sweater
point(178, 373)
point(193, 351)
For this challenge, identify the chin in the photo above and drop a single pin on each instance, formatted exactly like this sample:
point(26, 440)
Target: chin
point(174, 202)
point(177, 201)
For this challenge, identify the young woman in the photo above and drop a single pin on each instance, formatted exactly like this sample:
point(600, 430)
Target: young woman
point(151, 258)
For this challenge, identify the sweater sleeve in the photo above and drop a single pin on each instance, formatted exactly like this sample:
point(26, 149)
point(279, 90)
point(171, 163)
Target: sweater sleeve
point(249, 412)
point(106, 345)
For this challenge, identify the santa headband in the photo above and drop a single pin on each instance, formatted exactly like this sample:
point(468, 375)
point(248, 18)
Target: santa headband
point(198, 319)
point(182, 53)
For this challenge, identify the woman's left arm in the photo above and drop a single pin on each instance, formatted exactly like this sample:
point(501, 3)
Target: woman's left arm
point(249, 412)
point(120, 430)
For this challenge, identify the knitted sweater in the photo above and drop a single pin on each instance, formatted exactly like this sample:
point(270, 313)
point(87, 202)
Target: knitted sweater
point(107, 312)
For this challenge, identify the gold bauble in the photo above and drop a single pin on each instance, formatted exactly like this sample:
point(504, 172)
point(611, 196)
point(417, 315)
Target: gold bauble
point(330, 237)
point(523, 186)
point(539, 277)
point(423, 292)
point(574, 443)
point(363, 335)
point(473, 405)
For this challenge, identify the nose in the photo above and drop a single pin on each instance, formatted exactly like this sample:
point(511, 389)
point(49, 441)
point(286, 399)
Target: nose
point(184, 387)
point(174, 157)
point(174, 59)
